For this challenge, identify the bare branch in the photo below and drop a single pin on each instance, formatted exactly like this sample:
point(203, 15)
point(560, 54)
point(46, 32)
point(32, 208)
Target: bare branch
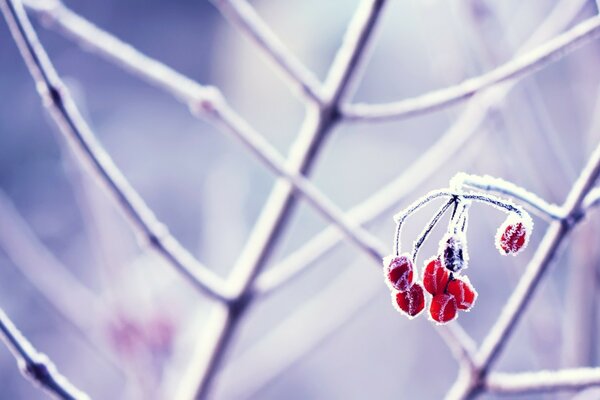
point(281, 202)
point(36, 366)
point(264, 151)
point(543, 381)
point(89, 151)
point(526, 64)
point(245, 18)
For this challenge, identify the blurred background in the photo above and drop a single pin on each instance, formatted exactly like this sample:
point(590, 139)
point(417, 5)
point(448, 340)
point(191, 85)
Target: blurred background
point(120, 323)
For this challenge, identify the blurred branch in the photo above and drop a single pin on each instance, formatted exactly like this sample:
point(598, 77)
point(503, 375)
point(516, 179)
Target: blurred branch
point(58, 101)
point(555, 235)
point(75, 302)
point(592, 199)
point(278, 208)
point(208, 102)
point(36, 366)
point(244, 17)
point(543, 381)
point(526, 64)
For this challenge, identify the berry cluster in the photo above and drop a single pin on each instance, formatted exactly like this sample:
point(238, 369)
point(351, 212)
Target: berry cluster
point(442, 276)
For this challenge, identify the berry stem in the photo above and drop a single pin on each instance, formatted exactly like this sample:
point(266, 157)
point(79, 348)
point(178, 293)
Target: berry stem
point(402, 215)
point(430, 226)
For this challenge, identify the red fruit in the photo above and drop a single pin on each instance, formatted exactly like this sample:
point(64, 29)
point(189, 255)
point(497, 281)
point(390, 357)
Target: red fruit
point(463, 292)
point(410, 302)
point(399, 273)
point(443, 308)
point(435, 276)
point(513, 235)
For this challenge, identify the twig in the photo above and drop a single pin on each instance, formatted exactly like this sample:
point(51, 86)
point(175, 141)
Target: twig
point(490, 184)
point(78, 134)
point(36, 366)
point(543, 381)
point(280, 204)
point(551, 51)
point(245, 18)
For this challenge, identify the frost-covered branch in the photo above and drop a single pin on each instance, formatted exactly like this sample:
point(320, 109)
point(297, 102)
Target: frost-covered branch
point(89, 151)
point(244, 17)
point(491, 184)
point(526, 64)
point(543, 381)
point(36, 366)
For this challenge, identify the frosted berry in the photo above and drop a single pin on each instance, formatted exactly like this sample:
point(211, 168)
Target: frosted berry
point(463, 292)
point(410, 302)
point(435, 276)
point(513, 235)
point(453, 255)
point(443, 308)
point(399, 272)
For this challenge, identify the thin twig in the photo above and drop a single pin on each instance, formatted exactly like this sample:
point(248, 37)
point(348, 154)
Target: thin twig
point(88, 150)
point(534, 60)
point(244, 17)
point(491, 184)
point(36, 366)
point(543, 381)
point(279, 206)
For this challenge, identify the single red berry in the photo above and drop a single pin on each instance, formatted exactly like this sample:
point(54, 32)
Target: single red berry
point(443, 308)
point(399, 272)
point(410, 302)
point(463, 292)
point(513, 235)
point(435, 276)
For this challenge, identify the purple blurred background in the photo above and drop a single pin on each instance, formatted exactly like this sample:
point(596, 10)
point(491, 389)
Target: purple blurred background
point(209, 191)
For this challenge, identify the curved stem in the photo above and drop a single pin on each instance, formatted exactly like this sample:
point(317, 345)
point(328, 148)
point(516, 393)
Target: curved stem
point(402, 215)
point(419, 242)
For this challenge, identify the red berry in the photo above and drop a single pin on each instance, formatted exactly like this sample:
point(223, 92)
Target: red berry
point(463, 292)
point(513, 235)
point(399, 272)
point(443, 308)
point(435, 276)
point(410, 302)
